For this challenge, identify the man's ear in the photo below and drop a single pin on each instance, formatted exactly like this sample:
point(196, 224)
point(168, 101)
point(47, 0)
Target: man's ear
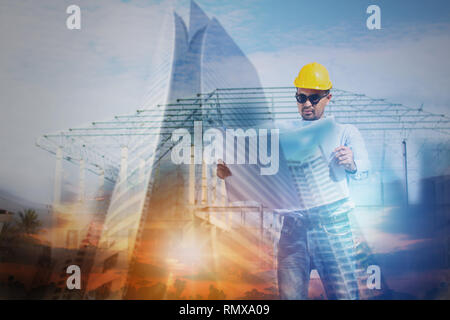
point(328, 97)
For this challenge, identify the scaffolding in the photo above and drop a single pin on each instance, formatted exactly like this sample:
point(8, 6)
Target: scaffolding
point(99, 144)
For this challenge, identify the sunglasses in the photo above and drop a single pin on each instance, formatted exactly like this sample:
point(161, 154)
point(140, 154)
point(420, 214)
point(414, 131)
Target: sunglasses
point(314, 98)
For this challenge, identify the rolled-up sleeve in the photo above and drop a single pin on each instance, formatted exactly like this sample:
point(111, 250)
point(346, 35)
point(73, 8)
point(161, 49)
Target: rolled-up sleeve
point(355, 141)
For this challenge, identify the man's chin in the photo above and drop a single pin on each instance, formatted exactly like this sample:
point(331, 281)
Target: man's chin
point(309, 117)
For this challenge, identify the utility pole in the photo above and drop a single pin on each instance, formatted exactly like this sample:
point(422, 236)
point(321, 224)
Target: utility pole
point(58, 176)
point(382, 168)
point(405, 165)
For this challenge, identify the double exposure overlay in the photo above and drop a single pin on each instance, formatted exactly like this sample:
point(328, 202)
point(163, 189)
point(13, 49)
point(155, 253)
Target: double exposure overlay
point(139, 223)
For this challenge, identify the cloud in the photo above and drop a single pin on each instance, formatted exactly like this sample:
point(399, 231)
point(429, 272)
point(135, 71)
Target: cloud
point(390, 243)
point(408, 67)
point(391, 230)
point(52, 78)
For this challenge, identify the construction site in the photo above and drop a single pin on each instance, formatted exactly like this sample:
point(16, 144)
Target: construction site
point(141, 227)
point(190, 227)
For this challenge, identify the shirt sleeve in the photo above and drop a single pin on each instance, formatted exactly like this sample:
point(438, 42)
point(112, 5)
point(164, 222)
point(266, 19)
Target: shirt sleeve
point(355, 141)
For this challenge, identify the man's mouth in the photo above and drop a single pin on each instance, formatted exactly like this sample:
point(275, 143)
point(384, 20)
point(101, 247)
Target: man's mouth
point(308, 111)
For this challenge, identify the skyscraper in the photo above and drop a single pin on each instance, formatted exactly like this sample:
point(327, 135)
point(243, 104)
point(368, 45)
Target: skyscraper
point(151, 207)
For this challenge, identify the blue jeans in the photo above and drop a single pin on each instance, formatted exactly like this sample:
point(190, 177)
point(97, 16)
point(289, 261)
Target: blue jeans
point(319, 238)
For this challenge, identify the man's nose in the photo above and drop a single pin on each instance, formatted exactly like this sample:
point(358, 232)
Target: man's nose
point(308, 103)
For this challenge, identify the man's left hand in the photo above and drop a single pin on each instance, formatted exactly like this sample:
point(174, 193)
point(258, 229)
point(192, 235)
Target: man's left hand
point(344, 157)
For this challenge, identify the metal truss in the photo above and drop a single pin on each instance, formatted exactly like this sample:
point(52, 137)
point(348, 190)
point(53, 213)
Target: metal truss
point(99, 143)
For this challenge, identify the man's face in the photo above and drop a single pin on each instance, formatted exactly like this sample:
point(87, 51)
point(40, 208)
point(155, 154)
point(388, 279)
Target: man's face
point(311, 112)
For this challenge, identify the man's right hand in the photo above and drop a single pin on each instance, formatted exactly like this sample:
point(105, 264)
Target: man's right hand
point(222, 170)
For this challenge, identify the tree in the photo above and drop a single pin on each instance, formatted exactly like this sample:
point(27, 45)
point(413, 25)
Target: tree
point(179, 286)
point(28, 222)
point(216, 294)
point(8, 235)
point(7, 231)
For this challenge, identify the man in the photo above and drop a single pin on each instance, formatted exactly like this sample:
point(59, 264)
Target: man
point(320, 237)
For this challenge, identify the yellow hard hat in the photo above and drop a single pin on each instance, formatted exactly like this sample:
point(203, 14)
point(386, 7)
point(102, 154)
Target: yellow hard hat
point(313, 76)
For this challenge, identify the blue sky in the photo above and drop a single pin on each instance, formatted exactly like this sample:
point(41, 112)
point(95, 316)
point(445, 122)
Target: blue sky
point(294, 17)
point(52, 78)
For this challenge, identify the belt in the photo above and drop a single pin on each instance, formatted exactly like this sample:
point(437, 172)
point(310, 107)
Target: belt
point(318, 217)
point(328, 220)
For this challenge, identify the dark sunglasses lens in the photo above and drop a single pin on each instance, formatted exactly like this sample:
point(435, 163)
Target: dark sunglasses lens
point(314, 98)
point(301, 98)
